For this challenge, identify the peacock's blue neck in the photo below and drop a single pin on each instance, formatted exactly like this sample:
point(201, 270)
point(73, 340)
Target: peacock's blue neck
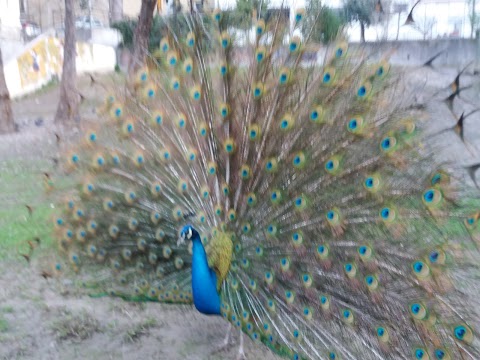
point(204, 281)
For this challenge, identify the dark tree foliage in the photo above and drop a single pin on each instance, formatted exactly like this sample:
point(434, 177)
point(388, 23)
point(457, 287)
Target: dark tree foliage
point(241, 17)
point(326, 23)
point(361, 11)
point(126, 28)
point(161, 26)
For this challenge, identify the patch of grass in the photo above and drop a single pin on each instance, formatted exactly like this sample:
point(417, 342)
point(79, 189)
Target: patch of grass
point(139, 330)
point(52, 83)
point(3, 325)
point(21, 182)
point(7, 309)
point(77, 327)
point(17, 228)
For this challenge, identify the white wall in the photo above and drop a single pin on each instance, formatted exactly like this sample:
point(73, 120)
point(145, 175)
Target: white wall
point(90, 58)
point(106, 36)
point(131, 8)
point(10, 19)
point(10, 48)
point(101, 59)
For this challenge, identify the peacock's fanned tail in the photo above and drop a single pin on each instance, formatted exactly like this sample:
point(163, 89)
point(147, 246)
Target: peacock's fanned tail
point(351, 239)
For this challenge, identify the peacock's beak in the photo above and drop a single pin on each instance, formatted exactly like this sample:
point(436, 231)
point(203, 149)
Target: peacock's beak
point(184, 235)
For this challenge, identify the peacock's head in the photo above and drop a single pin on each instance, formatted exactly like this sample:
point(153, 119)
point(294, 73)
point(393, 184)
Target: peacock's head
point(188, 233)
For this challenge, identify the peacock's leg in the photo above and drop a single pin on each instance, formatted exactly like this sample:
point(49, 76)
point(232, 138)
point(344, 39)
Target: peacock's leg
point(226, 341)
point(241, 352)
point(227, 338)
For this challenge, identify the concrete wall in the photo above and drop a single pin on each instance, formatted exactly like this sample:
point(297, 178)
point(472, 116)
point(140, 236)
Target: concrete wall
point(456, 52)
point(42, 60)
point(102, 36)
point(106, 36)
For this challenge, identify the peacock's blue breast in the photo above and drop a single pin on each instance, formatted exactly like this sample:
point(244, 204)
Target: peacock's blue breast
point(205, 295)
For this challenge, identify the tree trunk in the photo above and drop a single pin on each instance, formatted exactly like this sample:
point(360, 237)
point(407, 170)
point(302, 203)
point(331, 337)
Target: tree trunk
point(141, 35)
point(116, 11)
point(7, 124)
point(67, 110)
point(362, 32)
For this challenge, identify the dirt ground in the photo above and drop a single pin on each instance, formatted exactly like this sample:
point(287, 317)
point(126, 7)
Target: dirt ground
point(42, 319)
point(39, 321)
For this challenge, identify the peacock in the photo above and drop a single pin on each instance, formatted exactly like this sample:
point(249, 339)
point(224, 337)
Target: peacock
point(290, 187)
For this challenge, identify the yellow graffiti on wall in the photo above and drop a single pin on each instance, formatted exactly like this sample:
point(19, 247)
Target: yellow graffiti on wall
point(44, 60)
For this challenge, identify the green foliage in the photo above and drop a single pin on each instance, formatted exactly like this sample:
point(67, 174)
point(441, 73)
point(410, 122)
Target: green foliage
point(161, 25)
point(158, 31)
point(359, 10)
point(126, 29)
point(241, 16)
point(325, 22)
